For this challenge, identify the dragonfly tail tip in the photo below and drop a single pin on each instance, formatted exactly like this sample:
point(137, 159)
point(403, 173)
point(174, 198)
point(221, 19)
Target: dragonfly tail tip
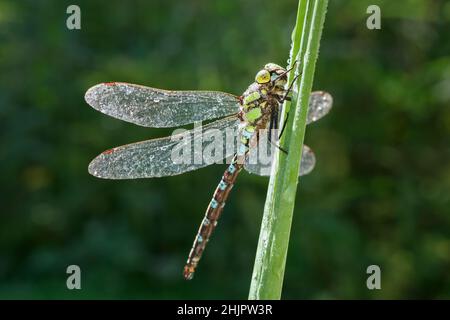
point(188, 273)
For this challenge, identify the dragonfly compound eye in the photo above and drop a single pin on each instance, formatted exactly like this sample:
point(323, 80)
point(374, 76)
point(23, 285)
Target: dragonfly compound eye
point(262, 76)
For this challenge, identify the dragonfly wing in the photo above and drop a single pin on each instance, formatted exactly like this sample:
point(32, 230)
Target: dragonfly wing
point(320, 103)
point(168, 156)
point(308, 161)
point(263, 168)
point(150, 107)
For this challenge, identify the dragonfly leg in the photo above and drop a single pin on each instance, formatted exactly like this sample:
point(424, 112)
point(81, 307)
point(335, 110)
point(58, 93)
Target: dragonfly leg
point(284, 125)
point(278, 147)
point(289, 89)
point(274, 126)
point(284, 98)
point(287, 71)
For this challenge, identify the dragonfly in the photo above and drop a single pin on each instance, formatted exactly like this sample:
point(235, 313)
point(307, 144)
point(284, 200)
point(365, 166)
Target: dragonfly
point(246, 116)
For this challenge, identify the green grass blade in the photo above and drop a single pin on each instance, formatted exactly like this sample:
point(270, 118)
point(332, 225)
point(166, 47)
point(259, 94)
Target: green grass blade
point(270, 261)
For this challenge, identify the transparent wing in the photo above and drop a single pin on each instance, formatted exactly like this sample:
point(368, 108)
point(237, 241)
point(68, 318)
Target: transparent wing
point(263, 168)
point(320, 103)
point(150, 107)
point(168, 156)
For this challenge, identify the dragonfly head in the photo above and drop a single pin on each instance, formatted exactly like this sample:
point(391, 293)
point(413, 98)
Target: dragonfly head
point(272, 75)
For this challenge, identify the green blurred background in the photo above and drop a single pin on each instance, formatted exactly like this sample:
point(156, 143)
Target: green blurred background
point(379, 193)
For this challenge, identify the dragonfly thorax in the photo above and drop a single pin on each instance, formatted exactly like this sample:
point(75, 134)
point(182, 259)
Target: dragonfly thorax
point(259, 102)
point(265, 94)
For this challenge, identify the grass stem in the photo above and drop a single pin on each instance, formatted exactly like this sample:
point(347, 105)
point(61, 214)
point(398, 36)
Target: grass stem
point(270, 261)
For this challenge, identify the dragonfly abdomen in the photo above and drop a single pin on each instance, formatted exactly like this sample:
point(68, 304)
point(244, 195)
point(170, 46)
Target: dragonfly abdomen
point(212, 215)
